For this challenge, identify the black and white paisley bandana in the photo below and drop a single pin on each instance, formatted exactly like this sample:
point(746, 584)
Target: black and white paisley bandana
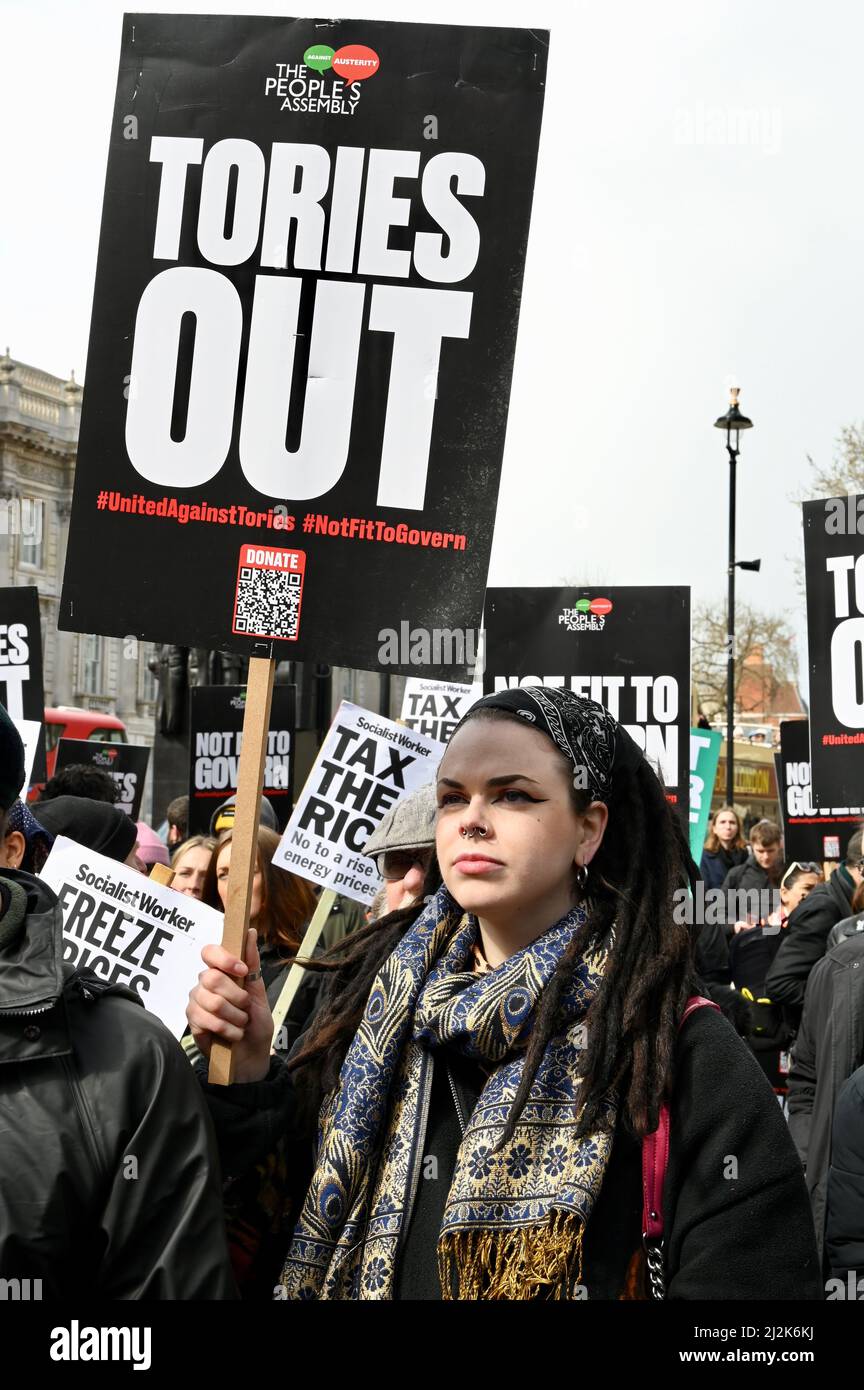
point(593, 742)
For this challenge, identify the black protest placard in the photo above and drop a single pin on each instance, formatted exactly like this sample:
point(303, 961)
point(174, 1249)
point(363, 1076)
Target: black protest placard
point(125, 762)
point(216, 736)
point(627, 648)
point(810, 833)
point(834, 571)
point(303, 331)
point(21, 689)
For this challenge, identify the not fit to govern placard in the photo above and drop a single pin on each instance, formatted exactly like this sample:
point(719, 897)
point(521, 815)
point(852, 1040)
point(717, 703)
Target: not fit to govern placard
point(625, 647)
point(303, 331)
point(130, 930)
point(366, 764)
point(215, 740)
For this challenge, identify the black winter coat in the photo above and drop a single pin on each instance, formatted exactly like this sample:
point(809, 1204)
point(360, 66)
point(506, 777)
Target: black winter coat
point(844, 1216)
point(731, 1232)
point(804, 941)
point(716, 863)
point(829, 1047)
point(92, 1081)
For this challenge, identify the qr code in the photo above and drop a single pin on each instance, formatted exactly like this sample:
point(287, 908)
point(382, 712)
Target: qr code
point(268, 603)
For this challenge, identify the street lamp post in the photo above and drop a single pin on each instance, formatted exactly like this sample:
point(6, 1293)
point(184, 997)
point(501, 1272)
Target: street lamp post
point(732, 422)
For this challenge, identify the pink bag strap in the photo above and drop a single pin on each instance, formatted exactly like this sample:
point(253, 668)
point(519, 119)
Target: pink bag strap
point(655, 1150)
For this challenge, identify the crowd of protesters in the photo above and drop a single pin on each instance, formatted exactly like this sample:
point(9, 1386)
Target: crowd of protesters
point(458, 1101)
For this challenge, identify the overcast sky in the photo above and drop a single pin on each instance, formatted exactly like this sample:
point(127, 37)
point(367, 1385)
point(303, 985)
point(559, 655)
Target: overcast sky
point(698, 217)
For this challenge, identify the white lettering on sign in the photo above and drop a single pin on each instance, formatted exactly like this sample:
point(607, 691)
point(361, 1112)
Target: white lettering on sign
point(297, 183)
point(847, 639)
point(14, 672)
point(653, 708)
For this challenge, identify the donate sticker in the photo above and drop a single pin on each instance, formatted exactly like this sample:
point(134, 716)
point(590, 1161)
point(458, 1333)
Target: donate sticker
point(355, 62)
point(319, 57)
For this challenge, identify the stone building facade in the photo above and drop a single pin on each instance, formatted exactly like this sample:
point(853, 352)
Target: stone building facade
point(39, 418)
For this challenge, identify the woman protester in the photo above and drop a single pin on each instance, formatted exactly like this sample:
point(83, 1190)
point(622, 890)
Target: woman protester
point(725, 847)
point(190, 864)
point(521, 1041)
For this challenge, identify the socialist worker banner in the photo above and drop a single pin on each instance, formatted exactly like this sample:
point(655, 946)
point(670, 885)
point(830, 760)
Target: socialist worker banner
point(628, 648)
point(304, 323)
point(834, 571)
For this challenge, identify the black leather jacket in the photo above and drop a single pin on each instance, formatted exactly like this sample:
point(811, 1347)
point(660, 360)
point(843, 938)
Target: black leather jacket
point(109, 1180)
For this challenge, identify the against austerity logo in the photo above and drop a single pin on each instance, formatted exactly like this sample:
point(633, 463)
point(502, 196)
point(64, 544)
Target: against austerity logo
point(303, 86)
point(586, 615)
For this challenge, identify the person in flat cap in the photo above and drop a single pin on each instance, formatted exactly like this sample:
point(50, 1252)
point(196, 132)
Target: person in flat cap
point(93, 1079)
point(403, 846)
point(524, 1038)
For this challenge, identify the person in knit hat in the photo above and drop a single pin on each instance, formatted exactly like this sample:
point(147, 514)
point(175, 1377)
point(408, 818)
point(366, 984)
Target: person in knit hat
point(96, 825)
point(26, 844)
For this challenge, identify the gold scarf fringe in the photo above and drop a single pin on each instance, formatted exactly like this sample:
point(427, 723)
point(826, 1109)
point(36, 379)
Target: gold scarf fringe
point(516, 1264)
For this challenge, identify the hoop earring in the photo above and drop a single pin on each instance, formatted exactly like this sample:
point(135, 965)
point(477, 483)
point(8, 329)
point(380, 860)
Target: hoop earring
point(582, 877)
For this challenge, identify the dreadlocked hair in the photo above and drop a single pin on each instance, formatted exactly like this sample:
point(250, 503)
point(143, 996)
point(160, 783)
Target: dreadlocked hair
point(632, 1023)
point(352, 965)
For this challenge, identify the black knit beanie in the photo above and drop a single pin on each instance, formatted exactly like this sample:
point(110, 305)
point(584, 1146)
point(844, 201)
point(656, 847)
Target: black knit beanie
point(11, 762)
point(94, 824)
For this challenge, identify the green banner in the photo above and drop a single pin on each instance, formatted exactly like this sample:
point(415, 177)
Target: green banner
point(704, 755)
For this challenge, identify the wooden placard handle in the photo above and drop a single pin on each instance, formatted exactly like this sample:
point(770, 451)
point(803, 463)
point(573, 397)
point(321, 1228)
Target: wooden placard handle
point(160, 873)
point(244, 840)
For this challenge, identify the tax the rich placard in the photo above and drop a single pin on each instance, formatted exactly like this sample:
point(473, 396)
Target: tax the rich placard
point(834, 571)
point(434, 708)
point(810, 833)
point(366, 764)
point(215, 740)
point(125, 762)
point(304, 324)
point(129, 929)
point(627, 648)
point(21, 665)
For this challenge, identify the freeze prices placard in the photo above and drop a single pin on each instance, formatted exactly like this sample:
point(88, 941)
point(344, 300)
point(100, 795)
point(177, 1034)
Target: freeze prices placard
point(834, 570)
point(366, 764)
point(303, 330)
point(627, 648)
point(129, 929)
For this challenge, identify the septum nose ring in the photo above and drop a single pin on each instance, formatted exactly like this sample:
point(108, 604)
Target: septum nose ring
point(480, 830)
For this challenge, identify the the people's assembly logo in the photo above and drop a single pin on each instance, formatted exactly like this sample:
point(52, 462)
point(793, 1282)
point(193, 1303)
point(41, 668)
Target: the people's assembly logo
point(312, 85)
point(586, 615)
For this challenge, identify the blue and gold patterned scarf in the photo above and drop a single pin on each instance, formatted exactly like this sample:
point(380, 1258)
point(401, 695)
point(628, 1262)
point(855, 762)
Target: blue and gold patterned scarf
point(515, 1215)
